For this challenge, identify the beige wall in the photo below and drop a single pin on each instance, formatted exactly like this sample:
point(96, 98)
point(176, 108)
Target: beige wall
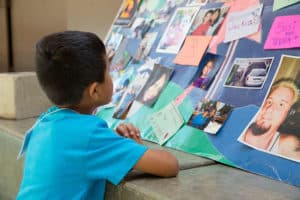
point(3, 38)
point(31, 19)
point(92, 15)
point(34, 18)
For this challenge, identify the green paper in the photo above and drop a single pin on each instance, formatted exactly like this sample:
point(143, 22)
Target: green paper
point(187, 139)
point(171, 91)
point(141, 118)
point(186, 109)
point(278, 4)
point(196, 142)
point(150, 136)
point(106, 114)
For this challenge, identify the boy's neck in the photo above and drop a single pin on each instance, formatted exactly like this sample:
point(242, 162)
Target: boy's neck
point(80, 109)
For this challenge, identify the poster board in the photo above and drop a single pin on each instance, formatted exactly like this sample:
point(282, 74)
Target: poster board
point(243, 79)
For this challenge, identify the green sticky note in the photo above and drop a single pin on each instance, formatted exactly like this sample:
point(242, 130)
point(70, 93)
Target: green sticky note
point(278, 4)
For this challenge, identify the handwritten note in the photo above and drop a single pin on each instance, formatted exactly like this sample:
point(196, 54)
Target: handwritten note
point(284, 33)
point(166, 122)
point(192, 50)
point(278, 4)
point(243, 23)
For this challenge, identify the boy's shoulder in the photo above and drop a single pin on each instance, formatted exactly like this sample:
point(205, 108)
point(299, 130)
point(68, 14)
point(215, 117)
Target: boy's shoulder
point(56, 115)
point(68, 121)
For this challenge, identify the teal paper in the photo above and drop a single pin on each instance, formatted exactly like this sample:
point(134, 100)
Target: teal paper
point(195, 141)
point(278, 4)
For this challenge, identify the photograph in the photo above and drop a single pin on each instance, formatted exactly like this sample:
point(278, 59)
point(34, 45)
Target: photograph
point(130, 93)
point(176, 30)
point(210, 115)
point(120, 61)
point(159, 10)
point(208, 21)
point(127, 12)
point(113, 43)
point(275, 127)
point(196, 2)
point(128, 97)
point(154, 85)
point(139, 28)
point(208, 69)
point(121, 83)
point(145, 47)
point(250, 73)
point(220, 1)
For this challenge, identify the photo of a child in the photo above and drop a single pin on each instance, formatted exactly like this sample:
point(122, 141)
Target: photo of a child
point(154, 85)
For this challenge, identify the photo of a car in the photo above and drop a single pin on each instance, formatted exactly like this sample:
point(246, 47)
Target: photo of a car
point(256, 77)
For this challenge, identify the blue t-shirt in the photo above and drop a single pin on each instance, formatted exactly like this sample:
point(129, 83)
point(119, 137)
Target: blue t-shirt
point(199, 120)
point(71, 155)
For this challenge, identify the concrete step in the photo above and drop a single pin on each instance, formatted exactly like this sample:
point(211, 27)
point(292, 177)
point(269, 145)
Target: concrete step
point(18, 92)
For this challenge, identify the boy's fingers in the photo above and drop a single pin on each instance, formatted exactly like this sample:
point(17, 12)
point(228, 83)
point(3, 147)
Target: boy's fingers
point(137, 134)
point(131, 129)
point(134, 130)
point(137, 131)
point(123, 130)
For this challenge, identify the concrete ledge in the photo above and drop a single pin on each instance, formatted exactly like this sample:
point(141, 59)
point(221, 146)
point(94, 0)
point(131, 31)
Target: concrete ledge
point(216, 182)
point(186, 161)
point(199, 178)
point(21, 96)
point(11, 169)
point(16, 128)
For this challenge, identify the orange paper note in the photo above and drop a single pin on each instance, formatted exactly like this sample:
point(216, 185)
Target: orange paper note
point(192, 51)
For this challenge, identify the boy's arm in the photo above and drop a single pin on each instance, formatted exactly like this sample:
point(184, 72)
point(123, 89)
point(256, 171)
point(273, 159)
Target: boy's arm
point(158, 162)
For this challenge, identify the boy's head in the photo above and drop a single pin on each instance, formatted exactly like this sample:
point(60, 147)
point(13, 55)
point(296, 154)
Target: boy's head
point(71, 65)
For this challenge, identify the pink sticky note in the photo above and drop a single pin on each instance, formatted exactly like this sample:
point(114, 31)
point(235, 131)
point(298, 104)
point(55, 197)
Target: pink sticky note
point(284, 33)
point(192, 50)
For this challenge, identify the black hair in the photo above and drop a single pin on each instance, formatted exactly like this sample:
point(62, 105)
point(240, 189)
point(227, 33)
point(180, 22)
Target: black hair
point(219, 13)
point(67, 63)
point(208, 12)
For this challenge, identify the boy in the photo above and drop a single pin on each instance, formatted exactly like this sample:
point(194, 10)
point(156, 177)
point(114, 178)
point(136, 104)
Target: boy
point(69, 152)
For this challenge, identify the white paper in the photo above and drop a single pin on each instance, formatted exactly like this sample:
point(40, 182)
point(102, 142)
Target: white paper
point(242, 24)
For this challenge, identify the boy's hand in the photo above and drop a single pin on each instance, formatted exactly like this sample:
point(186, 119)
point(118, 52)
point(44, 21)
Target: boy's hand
point(129, 131)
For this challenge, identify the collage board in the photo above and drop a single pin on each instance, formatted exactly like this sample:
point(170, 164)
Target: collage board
point(214, 78)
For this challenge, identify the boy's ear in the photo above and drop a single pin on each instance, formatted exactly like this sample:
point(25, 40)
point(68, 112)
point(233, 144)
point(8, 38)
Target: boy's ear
point(93, 90)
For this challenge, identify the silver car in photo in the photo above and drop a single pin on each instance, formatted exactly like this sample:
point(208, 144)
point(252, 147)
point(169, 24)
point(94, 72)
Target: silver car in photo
point(256, 77)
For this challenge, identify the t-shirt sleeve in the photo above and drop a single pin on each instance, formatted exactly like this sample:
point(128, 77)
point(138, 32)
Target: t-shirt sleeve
point(110, 156)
